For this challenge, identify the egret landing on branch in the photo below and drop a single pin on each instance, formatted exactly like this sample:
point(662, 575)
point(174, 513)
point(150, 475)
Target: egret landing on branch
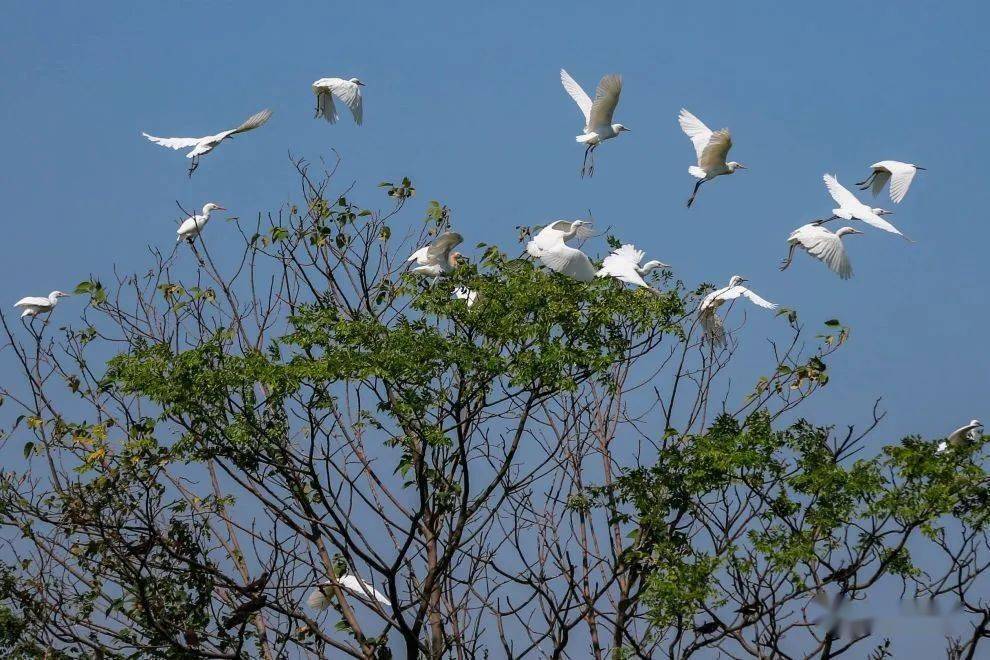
point(623, 265)
point(35, 305)
point(557, 232)
point(823, 245)
point(851, 208)
point(191, 226)
point(598, 124)
point(960, 435)
point(204, 145)
point(711, 149)
point(710, 321)
point(436, 258)
point(550, 247)
point(322, 596)
point(900, 175)
point(348, 91)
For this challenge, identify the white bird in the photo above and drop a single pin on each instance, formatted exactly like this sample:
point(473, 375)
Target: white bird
point(321, 597)
point(850, 208)
point(623, 265)
point(598, 124)
point(34, 305)
point(191, 226)
point(348, 91)
point(556, 232)
point(711, 149)
point(900, 175)
point(204, 145)
point(710, 321)
point(550, 247)
point(961, 435)
point(436, 258)
point(464, 293)
point(823, 245)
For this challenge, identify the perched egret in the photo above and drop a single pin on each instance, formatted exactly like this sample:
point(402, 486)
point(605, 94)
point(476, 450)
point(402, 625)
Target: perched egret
point(321, 597)
point(550, 247)
point(556, 232)
point(711, 322)
point(623, 265)
point(711, 149)
point(598, 124)
point(823, 245)
point(204, 145)
point(960, 435)
point(850, 208)
point(436, 258)
point(464, 293)
point(34, 305)
point(348, 91)
point(900, 175)
point(191, 226)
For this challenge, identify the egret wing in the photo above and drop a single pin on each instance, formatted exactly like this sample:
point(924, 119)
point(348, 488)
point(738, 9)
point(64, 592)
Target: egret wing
point(569, 261)
point(252, 122)
point(695, 129)
point(629, 253)
point(445, 243)
point(713, 156)
point(350, 94)
point(828, 248)
point(579, 95)
point(606, 98)
point(880, 179)
point(173, 142)
point(842, 197)
point(901, 176)
point(739, 290)
point(622, 269)
point(871, 218)
point(32, 301)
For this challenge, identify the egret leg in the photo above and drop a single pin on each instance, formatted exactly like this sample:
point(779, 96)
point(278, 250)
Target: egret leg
point(193, 165)
point(695, 192)
point(819, 223)
point(584, 165)
point(790, 255)
point(591, 169)
point(863, 185)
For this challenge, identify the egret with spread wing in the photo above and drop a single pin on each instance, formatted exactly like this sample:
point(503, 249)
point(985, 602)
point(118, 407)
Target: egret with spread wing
point(204, 145)
point(347, 91)
point(900, 175)
point(851, 208)
point(710, 321)
point(823, 245)
point(623, 265)
point(711, 148)
point(437, 258)
point(598, 124)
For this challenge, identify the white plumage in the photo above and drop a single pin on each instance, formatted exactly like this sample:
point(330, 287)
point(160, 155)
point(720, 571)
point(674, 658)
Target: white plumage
point(823, 245)
point(851, 208)
point(466, 294)
point(598, 125)
point(623, 265)
point(710, 321)
point(711, 149)
point(550, 247)
point(35, 305)
point(960, 435)
point(349, 93)
point(555, 232)
point(436, 258)
point(321, 597)
point(900, 175)
point(204, 145)
point(191, 226)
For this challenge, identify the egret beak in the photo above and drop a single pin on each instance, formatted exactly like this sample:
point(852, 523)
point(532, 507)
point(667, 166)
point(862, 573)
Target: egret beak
point(919, 167)
point(220, 208)
point(740, 166)
point(360, 84)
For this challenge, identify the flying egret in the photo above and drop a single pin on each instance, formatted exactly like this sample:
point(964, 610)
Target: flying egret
point(900, 175)
point(204, 145)
point(598, 124)
point(191, 226)
point(321, 597)
point(348, 91)
point(466, 294)
point(555, 232)
point(960, 435)
point(623, 265)
point(550, 247)
point(711, 322)
point(711, 149)
point(34, 305)
point(850, 208)
point(436, 258)
point(823, 245)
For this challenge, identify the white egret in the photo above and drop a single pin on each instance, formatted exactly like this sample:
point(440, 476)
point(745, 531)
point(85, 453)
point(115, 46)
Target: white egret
point(823, 245)
point(850, 208)
point(204, 145)
point(348, 91)
point(900, 175)
point(321, 597)
point(711, 148)
point(710, 321)
point(623, 265)
point(961, 435)
point(436, 258)
point(466, 294)
point(35, 305)
point(191, 226)
point(598, 124)
point(556, 232)
point(550, 247)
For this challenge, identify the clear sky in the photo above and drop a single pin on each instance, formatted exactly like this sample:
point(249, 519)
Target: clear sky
point(465, 100)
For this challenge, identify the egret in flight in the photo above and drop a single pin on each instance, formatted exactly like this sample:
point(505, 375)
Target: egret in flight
point(436, 258)
point(961, 435)
point(710, 321)
point(623, 265)
point(711, 149)
point(348, 91)
point(850, 208)
point(598, 124)
point(204, 145)
point(823, 245)
point(321, 597)
point(550, 247)
point(191, 226)
point(555, 232)
point(35, 305)
point(900, 175)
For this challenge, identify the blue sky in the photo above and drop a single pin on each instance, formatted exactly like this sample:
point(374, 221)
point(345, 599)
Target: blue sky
point(466, 101)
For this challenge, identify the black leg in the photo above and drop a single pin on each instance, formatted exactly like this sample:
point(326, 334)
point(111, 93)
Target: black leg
point(584, 164)
point(790, 255)
point(193, 165)
point(823, 221)
point(591, 168)
point(695, 192)
point(863, 185)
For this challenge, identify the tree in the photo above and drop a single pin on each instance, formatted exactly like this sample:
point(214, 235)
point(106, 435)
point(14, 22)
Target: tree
point(559, 469)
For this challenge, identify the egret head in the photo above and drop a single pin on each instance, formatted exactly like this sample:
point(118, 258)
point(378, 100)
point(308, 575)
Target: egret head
point(619, 128)
point(357, 82)
point(456, 259)
point(57, 294)
point(975, 422)
point(733, 166)
point(737, 280)
point(847, 230)
point(212, 207)
point(880, 211)
point(651, 265)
